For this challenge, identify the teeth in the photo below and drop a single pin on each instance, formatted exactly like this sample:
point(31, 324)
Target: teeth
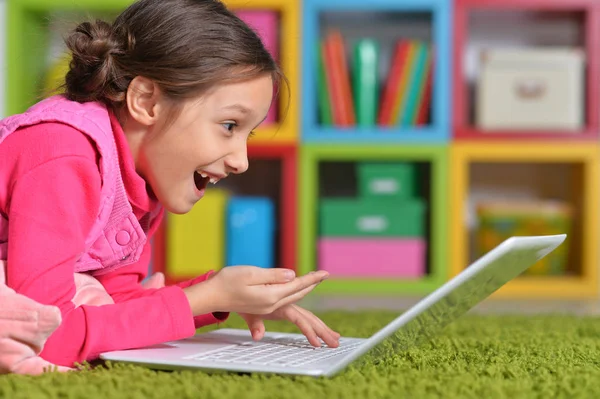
point(213, 180)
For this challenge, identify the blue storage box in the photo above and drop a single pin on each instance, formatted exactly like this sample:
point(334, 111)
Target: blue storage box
point(250, 231)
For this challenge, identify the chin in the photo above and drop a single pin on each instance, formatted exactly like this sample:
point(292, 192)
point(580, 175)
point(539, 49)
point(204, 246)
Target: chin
point(174, 199)
point(176, 204)
point(179, 208)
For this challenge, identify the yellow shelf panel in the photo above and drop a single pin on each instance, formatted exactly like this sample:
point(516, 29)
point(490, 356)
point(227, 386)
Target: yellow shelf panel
point(566, 287)
point(464, 154)
point(273, 135)
point(525, 151)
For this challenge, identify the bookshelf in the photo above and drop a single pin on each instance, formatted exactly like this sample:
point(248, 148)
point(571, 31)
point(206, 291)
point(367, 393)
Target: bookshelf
point(449, 147)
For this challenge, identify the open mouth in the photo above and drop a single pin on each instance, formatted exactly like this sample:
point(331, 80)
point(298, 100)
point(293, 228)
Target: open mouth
point(201, 182)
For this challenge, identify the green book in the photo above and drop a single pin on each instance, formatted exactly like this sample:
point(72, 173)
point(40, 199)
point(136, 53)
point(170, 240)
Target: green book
point(365, 81)
point(323, 92)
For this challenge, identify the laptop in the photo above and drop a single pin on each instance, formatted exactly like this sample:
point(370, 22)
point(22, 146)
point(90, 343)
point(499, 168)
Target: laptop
point(233, 350)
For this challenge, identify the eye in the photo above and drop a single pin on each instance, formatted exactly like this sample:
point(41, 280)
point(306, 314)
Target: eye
point(229, 126)
point(252, 134)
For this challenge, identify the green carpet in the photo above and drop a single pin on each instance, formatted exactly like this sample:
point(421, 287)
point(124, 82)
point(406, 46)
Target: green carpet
point(476, 357)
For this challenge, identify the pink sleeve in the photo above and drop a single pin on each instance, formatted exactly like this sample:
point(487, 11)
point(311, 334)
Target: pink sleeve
point(125, 284)
point(53, 197)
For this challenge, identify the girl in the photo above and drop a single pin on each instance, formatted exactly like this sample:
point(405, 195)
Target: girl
point(155, 107)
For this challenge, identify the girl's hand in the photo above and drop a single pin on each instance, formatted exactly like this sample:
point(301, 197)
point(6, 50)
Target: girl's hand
point(310, 325)
point(250, 289)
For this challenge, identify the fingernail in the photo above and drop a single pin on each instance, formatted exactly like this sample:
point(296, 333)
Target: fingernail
point(289, 275)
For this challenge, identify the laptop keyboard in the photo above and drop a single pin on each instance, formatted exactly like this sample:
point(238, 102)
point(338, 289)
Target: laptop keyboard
point(292, 352)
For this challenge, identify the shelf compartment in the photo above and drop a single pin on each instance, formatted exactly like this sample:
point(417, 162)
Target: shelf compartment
point(503, 172)
point(328, 172)
point(272, 174)
point(482, 24)
point(385, 22)
point(30, 24)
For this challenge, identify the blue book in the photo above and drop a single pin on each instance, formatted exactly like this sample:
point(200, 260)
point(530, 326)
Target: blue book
point(414, 84)
point(250, 231)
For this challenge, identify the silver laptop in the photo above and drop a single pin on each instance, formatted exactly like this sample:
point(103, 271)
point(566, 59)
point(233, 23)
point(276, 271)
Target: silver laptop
point(233, 350)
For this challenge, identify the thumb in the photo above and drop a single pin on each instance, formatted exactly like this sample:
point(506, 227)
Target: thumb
point(156, 281)
point(255, 325)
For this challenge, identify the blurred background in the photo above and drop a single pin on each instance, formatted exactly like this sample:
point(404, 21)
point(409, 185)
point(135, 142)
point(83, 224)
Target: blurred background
point(420, 134)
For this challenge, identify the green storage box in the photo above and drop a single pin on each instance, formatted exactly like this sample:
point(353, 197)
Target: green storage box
point(364, 217)
point(501, 220)
point(387, 180)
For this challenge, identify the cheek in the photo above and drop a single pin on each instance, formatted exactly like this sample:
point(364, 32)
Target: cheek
point(158, 163)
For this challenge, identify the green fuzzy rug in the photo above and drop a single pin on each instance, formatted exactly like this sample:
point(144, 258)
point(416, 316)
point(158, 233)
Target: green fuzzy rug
point(476, 357)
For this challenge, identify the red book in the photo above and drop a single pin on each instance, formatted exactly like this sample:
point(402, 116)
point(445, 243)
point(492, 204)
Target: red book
point(390, 93)
point(425, 106)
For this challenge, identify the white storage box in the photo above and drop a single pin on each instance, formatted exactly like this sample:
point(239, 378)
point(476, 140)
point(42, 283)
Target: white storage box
point(531, 89)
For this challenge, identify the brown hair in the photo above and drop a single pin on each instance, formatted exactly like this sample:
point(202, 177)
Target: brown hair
point(185, 46)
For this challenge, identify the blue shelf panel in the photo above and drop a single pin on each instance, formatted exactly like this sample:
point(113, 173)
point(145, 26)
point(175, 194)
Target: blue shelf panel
point(375, 5)
point(363, 135)
point(441, 38)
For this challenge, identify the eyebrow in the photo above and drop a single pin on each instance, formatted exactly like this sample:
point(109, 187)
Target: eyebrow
point(239, 108)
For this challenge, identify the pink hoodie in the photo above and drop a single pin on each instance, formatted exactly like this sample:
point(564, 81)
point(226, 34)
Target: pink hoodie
point(80, 222)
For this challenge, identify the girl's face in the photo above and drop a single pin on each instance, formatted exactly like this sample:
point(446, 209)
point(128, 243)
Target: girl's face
point(204, 144)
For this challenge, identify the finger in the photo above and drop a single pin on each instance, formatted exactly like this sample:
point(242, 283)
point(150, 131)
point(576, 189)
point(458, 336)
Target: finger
point(300, 284)
point(255, 325)
point(260, 276)
point(305, 326)
point(319, 321)
point(330, 337)
point(291, 299)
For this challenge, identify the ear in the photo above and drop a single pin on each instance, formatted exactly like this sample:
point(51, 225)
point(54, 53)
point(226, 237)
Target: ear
point(143, 100)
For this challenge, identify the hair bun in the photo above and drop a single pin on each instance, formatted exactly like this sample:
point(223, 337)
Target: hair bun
point(93, 47)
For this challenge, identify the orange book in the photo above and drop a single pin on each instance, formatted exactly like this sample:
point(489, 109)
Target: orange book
point(342, 79)
point(332, 79)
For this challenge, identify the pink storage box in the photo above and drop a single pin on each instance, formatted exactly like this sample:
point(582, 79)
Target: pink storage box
point(266, 24)
point(372, 257)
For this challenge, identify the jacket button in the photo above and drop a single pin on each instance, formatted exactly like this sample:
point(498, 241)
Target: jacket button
point(123, 238)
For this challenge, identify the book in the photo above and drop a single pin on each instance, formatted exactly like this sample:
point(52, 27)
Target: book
point(325, 108)
point(402, 94)
point(393, 82)
point(415, 84)
point(365, 81)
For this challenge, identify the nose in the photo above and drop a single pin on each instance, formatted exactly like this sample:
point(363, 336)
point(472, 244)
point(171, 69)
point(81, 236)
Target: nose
point(237, 162)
